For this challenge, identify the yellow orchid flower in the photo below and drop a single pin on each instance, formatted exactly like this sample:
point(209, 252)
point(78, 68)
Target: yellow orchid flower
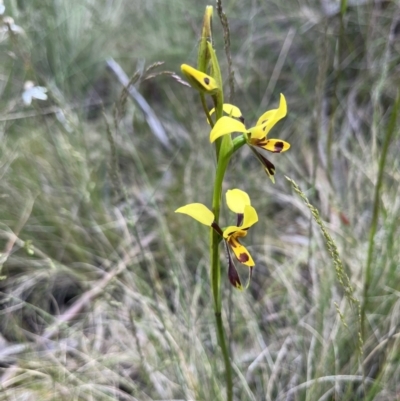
point(257, 135)
point(239, 202)
point(199, 80)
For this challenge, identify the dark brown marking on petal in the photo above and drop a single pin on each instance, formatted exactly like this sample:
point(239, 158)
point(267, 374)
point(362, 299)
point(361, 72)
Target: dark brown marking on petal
point(233, 232)
point(268, 165)
point(278, 147)
point(232, 244)
point(217, 228)
point(207, 81)
point(233, 275)
point(270, 171)
point(239, 219)
point(243, 258)
point(234, 278)
point(241, 119)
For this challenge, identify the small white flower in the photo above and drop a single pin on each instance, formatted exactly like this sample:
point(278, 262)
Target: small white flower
point(33, 92)
point(2, 7)
point(9, 25)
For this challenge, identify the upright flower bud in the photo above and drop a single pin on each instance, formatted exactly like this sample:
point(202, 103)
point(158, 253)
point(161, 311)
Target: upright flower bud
point(216, 74)
point(206, 37)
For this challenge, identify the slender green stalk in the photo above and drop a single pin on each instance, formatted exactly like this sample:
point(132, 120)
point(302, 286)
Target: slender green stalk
point(225, 352)
point(375, 213)
point(215, 239)
point(206, 111)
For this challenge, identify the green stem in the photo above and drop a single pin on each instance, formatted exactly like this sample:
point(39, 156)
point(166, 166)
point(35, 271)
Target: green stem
point(215, 239)
point(218, 102)
point(206, 111)
point(225, 352)
point(375, 213)
point(238, 142)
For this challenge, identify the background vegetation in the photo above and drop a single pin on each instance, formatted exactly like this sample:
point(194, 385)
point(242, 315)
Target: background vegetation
point(104, 293)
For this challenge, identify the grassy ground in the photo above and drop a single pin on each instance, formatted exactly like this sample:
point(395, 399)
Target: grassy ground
point(104, 293)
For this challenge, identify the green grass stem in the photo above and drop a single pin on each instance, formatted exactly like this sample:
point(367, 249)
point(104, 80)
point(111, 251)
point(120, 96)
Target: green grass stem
point(368, 277)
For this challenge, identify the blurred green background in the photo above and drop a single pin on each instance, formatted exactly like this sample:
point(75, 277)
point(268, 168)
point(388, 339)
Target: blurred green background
point(104, 291)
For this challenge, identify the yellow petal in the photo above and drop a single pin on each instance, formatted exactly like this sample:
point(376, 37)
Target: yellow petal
point(241, 253)
point(226, 125)
point(233, 231)
point(199, 212)
point(258, 132)
point(230, 109)
point(250, 217)
point(236, 200)
point(200, 81)
point(274, 145)
point(266, 116)
point(267, 121)
point(261, 131)
point(276, 114)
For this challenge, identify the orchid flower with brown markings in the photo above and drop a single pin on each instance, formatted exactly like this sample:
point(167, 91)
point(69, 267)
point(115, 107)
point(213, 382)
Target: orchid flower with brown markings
point(239, 202)
point(255, 136)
